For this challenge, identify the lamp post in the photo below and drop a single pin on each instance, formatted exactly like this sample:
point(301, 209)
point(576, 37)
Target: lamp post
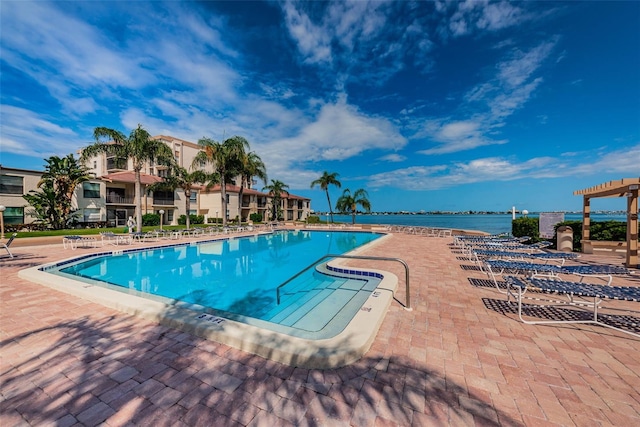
point(2, 209)
point(216, 217)
point(161, 218)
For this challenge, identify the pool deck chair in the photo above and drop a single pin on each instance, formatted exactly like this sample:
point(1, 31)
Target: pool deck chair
point(74, 242)
point(499, 268)
point(545, 257)
point(586, 296)
point(115, 239)
point(5, 246)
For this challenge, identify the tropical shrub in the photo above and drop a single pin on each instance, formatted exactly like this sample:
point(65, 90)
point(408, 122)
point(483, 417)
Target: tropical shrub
point(526, 226)
point(150, 219)
point(51, 204)
point(255, 217)
point(193, 219)
point(313, 219)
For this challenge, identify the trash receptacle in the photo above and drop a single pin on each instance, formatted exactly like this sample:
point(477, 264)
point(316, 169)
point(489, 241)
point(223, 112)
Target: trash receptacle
point(565, 238)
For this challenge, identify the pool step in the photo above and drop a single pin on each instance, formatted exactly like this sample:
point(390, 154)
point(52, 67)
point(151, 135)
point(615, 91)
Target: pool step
point(329, 297)
point(296, 293)
point(340, 303)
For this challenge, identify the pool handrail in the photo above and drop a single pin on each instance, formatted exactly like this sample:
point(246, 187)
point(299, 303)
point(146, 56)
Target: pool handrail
point(373, 258)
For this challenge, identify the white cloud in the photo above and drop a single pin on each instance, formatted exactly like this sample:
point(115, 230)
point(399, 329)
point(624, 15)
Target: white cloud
point(418, 178)
point(394, 158)
point(622, 161)
point(338, 132)
point(481, 15)
point(312, 40)
point(25, 132)
point(502, 95)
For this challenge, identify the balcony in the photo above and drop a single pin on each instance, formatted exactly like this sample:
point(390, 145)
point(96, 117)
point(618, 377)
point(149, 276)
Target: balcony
point(116, 164)
point(164, 202)
point(120, 200)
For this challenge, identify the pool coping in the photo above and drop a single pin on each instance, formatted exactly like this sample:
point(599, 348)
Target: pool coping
point(345, 348)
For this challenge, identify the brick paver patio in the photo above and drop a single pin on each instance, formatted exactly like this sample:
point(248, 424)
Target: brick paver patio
point(459, 358)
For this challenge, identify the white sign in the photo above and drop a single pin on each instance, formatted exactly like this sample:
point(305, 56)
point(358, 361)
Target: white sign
point(547, 221)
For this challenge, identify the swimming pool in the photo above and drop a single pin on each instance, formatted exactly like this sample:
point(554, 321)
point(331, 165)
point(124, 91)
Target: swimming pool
point(238, 278)
point(224, 286)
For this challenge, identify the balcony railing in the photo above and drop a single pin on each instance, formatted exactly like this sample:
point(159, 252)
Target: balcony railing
point(120, 200)
point(164, 202)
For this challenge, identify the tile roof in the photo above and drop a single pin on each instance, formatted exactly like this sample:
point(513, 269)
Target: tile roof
point(130, 177)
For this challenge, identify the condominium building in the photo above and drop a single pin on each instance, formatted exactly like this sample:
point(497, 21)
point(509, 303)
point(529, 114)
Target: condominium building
point(14, 183)
point(109, 197)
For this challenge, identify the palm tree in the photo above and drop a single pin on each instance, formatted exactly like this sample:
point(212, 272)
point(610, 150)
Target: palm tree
point(181, 178)
point(64, 174)
point(52, 201)
point(139, 147)
point(324, 182)
point(251, 165)
point(349, 202)
point(276, 188)
point(225, 158)
point(45, 206)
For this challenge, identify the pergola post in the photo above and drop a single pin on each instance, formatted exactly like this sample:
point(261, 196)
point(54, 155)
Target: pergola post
point(586, 218)
point(632, 227)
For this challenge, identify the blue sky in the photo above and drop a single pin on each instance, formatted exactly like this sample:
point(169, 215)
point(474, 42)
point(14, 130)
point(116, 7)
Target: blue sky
point(470, 105)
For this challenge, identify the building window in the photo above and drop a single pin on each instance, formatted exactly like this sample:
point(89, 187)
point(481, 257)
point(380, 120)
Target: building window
point(91, 190)
point(116, 163)
point(14, 216)
point(163, 197)
point(91, 214)
point(11, 184)
point(193, 212)
point(193, 198)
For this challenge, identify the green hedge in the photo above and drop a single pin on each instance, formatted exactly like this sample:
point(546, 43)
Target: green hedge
point(193, 219)
point(313, 219)
point(600, 230)
point(615, 231)
point(150, 219)
point(526, 226)
point(255, 217)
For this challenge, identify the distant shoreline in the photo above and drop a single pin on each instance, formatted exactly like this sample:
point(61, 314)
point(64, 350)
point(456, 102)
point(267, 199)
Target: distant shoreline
point(608, 213)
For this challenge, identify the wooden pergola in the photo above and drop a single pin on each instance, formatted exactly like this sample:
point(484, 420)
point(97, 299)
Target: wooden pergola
point(626, 187)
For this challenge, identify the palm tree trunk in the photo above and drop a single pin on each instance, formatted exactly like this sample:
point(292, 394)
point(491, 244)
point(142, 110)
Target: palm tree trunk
point(138, 196)
point(242, 182)
point(223, 194)
point(187, 206)
point(329, 202)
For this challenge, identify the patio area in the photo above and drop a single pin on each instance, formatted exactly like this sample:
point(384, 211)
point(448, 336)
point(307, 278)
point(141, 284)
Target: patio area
point(460, 357)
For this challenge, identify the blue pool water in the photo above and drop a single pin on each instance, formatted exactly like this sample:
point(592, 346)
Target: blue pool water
point(238, 277)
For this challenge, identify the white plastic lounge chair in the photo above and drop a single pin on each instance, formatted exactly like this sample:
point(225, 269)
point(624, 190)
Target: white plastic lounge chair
point(74, 241)
point(582, 295)
point(115, 239)
point(499, 267)
point(5, 246)
point(558, 257)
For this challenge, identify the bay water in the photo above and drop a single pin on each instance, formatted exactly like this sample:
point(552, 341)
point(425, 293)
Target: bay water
point(490, 223)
